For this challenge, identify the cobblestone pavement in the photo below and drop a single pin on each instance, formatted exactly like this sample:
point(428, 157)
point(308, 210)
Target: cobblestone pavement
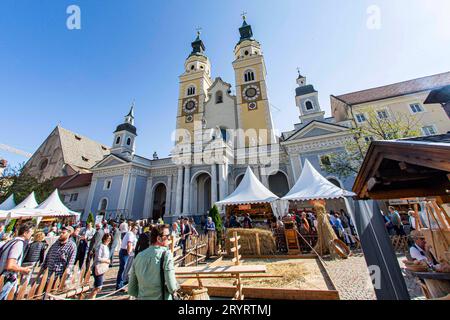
point(351, 277)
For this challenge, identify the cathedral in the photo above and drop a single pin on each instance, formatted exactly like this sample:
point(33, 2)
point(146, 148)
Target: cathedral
point(218, 135)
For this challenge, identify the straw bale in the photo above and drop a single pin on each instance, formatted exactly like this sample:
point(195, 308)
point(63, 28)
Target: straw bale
point(248, 241)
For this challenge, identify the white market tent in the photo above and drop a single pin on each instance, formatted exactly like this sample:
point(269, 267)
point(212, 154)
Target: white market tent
point(29, 203)
point(311, 185)
point(51, 207)
point(54, 207)
point(252, 191)
point(249, 191)
point(8, 204)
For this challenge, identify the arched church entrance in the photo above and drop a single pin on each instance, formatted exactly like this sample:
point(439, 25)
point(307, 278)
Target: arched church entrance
point(335, 182)
point(201, 196)
point(239, 180)
point(278, 184)
point(159, 201)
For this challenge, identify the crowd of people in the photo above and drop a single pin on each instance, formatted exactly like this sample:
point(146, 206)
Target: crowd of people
point(94, 247)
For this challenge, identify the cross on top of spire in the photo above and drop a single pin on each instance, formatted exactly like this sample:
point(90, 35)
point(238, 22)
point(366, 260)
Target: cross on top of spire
point(199, 31)
point(243, 14)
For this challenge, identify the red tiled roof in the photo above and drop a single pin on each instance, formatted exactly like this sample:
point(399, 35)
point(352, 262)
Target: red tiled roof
point(74, 181)
point(397, 89)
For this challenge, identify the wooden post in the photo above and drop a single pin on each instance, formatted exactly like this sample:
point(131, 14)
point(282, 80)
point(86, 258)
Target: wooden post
point(258, 248)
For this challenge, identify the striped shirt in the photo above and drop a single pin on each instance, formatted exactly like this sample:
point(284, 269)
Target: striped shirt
point(60, 256)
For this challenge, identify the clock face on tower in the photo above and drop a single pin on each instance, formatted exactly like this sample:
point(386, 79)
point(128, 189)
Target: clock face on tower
point(251, 92)
point(190, 106)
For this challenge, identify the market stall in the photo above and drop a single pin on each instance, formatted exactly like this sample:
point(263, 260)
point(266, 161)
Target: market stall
point(253, 198)
point(407, 168)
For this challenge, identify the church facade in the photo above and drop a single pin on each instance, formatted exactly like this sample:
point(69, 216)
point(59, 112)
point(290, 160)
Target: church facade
point(218, 134)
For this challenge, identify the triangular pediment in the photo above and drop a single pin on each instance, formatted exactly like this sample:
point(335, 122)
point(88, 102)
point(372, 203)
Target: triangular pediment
point(109, 161)
point(317, 128)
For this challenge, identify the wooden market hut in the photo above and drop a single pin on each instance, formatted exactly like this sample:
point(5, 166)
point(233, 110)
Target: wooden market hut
point(405, 168)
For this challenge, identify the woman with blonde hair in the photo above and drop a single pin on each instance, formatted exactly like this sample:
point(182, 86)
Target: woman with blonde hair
point(35, 252)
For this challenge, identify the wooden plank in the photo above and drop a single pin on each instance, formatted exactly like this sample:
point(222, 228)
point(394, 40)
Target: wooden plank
point(258, 248)
point(62, 283)
point(2, 281)
point(22, 290)
point(50, 283)
point(42, 284)
point(11, 294)
point(269, 293)
point(32, 291)
point(221, 269)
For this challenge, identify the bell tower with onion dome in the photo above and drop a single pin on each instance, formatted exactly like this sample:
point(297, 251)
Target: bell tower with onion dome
point(251, 90)
point(125, 137)
point(194, 84)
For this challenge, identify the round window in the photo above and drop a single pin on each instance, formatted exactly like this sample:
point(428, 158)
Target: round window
point(246, 52)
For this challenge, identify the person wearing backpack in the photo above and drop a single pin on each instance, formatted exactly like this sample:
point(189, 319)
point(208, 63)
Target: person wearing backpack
point(11, 256)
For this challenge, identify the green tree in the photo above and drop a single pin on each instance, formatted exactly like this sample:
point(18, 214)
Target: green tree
point(396, 125)
point(90, 218)
point(214, 214)
point(15, 181)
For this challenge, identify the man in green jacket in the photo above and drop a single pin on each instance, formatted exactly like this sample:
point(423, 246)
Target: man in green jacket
point(145, 274)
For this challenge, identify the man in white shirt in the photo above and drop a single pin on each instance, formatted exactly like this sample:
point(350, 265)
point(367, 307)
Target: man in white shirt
point(123, 228)
point(126, 250)
point(420, 250)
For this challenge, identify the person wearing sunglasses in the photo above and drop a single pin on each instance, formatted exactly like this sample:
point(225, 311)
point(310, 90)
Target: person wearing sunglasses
point(152, 275)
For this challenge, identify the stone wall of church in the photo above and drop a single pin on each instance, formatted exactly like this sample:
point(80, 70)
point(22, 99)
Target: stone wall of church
point(112, 195)
point(221, 115)
point(139, 197)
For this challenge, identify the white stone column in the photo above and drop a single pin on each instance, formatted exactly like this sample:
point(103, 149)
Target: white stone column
point(148, 198)
point(213, 184)
point(264, 177)
point(123, 192)
point(168, 195)
point(90, 198)
point(130, 197)
point(295, 165)
point(179, 194)
point(223, 183)
point(186, 194)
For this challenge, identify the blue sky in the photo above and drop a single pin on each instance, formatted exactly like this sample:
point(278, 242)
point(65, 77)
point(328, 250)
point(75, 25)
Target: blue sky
point(86, 79)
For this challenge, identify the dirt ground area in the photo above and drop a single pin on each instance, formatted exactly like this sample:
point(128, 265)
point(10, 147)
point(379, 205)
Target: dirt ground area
point(297, 274)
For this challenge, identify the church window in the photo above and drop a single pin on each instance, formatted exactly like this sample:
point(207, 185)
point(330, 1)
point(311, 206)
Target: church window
point(382, 114)
point(191, 91)
point(73, 197)
point(128, 141)
point(103, 205)
point(219, 97)
point(246, 52)
point(249, 76)
point(309, 105)
point(107, 185)
point(117, 140)
point(223, 132)
point(360, 117)
point(192, 67)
